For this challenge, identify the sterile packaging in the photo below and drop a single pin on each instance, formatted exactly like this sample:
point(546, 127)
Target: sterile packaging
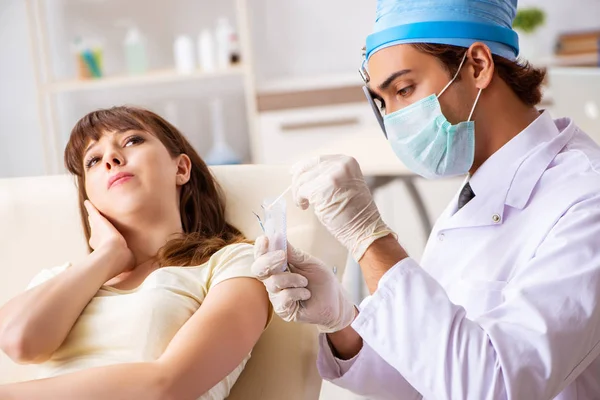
point(275, 226)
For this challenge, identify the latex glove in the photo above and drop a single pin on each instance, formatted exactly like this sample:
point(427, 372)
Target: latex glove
point(342, 201)
point(309, 293)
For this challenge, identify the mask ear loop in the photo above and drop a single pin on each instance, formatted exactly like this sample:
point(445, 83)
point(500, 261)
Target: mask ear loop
point(455, 75)
point(475, 104)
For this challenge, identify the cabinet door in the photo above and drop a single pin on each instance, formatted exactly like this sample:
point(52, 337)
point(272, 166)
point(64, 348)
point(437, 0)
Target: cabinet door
point(286, 136)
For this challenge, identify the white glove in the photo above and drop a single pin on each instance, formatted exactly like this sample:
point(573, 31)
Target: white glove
point(342, 201)
point(309, 293)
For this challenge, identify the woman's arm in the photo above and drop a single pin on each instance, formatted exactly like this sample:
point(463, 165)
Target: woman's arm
point(205, 350)
point(35, 323)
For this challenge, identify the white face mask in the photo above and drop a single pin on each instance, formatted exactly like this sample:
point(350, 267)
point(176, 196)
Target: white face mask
point(427, 143)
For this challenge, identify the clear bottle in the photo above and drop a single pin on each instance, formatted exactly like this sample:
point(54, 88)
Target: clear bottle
point(220, 153)
point(135, 52)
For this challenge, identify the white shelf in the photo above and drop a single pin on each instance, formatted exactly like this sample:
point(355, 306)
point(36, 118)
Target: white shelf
point(152, 77)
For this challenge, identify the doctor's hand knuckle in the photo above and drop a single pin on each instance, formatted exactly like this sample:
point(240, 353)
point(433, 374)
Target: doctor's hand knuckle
point(349, 163)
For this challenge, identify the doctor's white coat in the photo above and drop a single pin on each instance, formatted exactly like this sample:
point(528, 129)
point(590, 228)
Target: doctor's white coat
point(505, 302)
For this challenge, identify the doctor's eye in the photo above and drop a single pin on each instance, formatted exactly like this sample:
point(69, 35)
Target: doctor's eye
point(380, 104)
point(404, 92)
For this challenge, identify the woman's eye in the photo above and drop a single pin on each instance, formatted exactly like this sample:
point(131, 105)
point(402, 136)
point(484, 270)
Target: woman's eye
point(91, 162)
point(133, 140)
point(405, 91)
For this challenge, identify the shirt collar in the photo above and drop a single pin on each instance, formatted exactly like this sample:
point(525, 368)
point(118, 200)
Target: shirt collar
point(509, 176)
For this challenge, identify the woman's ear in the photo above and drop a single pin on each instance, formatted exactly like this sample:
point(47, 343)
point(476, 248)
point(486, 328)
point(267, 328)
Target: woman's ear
point(483, 64)
point(184, 169)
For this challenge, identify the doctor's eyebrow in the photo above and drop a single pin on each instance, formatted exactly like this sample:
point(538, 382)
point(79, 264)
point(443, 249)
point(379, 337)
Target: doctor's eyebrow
point(386, 84)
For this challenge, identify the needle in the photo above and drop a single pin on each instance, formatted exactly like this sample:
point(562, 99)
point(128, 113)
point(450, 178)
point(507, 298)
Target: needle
point(259, 221)
point(280, 197)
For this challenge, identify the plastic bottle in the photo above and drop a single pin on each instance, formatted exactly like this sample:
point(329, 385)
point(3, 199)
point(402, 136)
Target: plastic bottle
point(135, 52)
point(220, 153)
point(223, 34)
point(206, 51)
point(228, 46)
point(235, 50)
point(183, 50)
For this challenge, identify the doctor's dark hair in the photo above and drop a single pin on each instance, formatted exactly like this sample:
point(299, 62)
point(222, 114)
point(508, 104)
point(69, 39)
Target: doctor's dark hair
point(524, 80)
point(202, 204)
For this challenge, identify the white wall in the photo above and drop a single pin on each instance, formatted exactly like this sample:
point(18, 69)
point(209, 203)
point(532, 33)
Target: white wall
point(564, 16)
point(306, 38)
point(20, 140)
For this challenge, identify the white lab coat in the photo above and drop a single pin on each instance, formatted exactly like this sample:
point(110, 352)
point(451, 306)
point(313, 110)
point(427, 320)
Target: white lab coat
point(505, 302)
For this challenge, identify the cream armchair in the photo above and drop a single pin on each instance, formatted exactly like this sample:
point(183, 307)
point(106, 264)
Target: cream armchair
point(40, 228)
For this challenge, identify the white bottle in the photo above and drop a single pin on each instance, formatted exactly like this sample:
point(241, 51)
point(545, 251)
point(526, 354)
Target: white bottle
point(224, 34)
point(235, 54)
point(206, 51)
point(183, 49)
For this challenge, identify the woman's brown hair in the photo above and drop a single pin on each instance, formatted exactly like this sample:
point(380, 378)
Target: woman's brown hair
point(524, 80)
point(202, 204)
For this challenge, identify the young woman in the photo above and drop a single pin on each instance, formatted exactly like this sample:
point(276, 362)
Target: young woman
point(164, 306)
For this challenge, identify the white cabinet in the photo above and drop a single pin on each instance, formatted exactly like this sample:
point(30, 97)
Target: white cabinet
point(289, 134)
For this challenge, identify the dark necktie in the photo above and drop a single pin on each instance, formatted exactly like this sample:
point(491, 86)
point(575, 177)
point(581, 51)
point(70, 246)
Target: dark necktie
point(465, 196)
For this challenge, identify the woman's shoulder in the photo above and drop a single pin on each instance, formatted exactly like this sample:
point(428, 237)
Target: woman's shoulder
point(235, 250)
point(232, 261)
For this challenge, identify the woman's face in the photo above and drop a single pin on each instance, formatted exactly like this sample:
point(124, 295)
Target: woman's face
point(129, 173)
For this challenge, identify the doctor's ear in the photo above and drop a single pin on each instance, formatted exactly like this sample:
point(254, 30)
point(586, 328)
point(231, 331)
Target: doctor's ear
point(482, 64)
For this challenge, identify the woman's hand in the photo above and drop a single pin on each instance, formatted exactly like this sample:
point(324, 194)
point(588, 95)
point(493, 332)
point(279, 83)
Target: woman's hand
point(104, 237)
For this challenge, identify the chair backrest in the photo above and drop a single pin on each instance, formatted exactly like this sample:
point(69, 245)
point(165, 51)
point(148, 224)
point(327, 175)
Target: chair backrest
point(40, 228)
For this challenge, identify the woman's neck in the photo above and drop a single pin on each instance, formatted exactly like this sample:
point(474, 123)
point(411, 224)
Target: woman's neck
point(147, 236)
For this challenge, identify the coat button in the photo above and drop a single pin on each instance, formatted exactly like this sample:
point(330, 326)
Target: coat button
point(441, 237)
point(496, 218)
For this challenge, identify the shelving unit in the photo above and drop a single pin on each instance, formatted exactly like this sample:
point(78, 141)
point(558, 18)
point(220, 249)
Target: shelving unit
point(49, 88)
point(149, 78)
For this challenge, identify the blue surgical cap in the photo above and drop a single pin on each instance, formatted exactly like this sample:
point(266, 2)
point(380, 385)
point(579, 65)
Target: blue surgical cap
point(453, 22)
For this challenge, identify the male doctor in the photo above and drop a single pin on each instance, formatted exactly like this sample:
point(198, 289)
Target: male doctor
point(504, 304)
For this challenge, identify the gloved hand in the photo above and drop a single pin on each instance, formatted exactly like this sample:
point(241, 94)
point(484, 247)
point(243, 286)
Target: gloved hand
point(309, 293)
point(342, 201)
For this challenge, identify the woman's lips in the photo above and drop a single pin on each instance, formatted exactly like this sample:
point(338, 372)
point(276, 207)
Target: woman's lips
point(118, 179)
